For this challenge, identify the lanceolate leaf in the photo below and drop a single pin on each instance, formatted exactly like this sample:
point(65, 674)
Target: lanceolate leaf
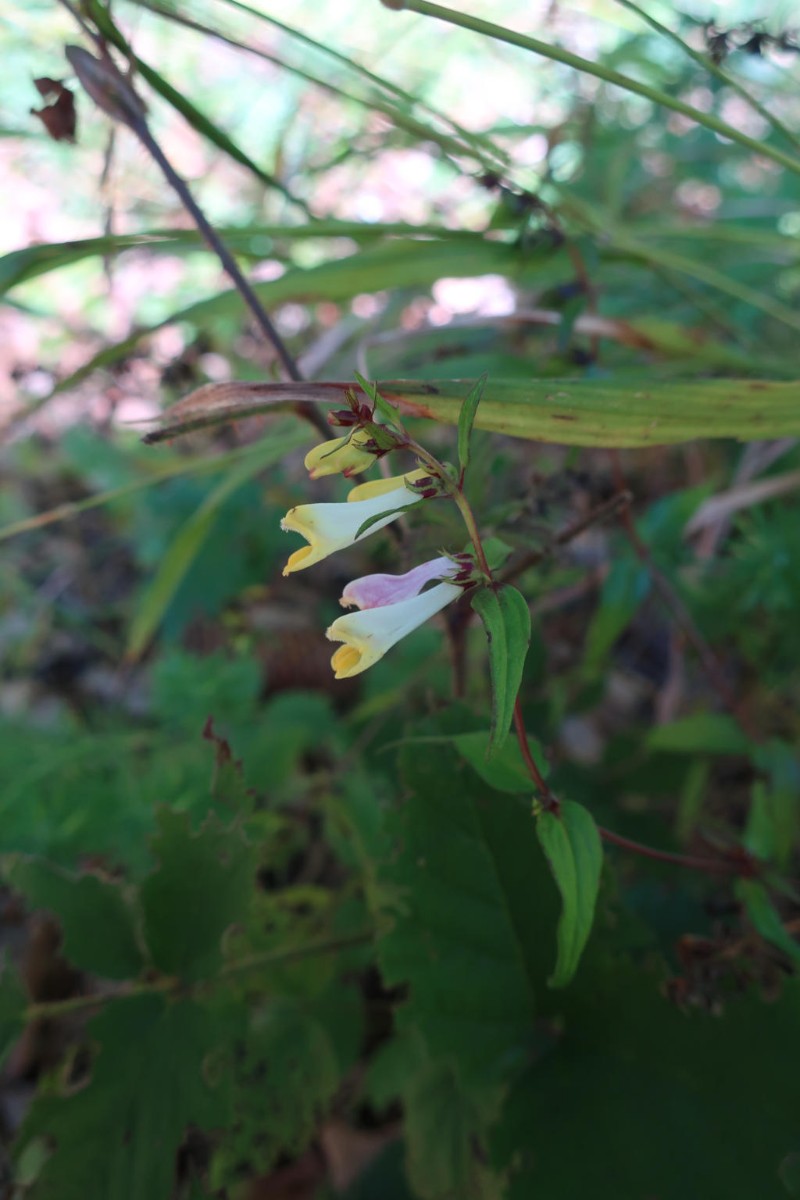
point(507, 620)
point(572, 412)
point(466, 419)
point(572, 845)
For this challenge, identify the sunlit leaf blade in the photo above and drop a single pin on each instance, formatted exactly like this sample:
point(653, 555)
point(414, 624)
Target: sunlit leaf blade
point(574, 851)
point(507, 621)
point(466, 419)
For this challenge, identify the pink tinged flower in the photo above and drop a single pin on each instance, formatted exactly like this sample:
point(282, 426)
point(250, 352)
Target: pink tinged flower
point(375, 591)
point(331, 527)
point(367, 635)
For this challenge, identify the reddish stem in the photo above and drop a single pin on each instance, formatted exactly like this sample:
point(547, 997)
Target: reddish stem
point(713, 865)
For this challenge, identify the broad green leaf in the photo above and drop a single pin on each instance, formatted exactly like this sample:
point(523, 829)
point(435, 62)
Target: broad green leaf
point(505, 771)
point(445, 1126)
point(765, 918)
point(201, 886)
point(703, 733)
point(285, 1074)
point(463, 929)
point(639, 1078)
point(184, 549)
point(507, 620)
point(13, 1003)
point(466, 419)
point(97, 922)
point(574, 851)
point(118, 1135)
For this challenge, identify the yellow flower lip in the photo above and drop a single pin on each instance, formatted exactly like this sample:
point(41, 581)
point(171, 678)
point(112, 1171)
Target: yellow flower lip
point(368, 634)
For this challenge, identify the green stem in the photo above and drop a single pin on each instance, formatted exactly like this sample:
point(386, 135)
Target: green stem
point(655, 95)
point(166, 984)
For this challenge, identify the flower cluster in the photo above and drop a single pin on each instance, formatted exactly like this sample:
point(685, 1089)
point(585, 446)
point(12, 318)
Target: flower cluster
point(389, 606)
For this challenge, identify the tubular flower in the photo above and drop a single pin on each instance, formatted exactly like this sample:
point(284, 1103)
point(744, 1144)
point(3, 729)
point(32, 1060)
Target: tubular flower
point(330, 527)
point(382, 487)
point(344, 455)
point(376, 591)
point(369, 634)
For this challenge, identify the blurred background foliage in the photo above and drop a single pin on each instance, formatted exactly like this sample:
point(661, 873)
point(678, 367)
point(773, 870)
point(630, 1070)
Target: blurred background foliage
point(269, 935)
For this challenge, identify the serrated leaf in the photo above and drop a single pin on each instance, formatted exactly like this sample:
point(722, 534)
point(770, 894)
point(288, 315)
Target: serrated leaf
point(574, 851)
point(761, 911)
point(202, 885)
point(13, 1003)
point(285, 1076)
point(97, 922)
point(507, 620)
point(445, 1124)
point(118, 1135)
point(506, 770)
point(466, 419)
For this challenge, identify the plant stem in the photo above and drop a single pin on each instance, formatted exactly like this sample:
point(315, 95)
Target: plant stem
point(710, 865)
point(167, 983)
point(501, 34)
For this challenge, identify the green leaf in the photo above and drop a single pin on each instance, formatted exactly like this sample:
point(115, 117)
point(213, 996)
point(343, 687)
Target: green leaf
point(765, 918)
point(117, 1136)
point(507, 620)
point(574, 851)
point(506, 770)
point(624, 589)
point(97, 922)
point(13, 1003)
point(186, 546)
point(463, 928)
point(466, 419)
point(639, 1077)
point(202, 886)
point(445, 1127)
point(634, 411)
point(285, 1076)
point(702, 733)
point(379, 404)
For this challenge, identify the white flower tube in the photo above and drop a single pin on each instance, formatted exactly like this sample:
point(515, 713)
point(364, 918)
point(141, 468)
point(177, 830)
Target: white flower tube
point(330, 527)
point(369, 634)
point(375, 591)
